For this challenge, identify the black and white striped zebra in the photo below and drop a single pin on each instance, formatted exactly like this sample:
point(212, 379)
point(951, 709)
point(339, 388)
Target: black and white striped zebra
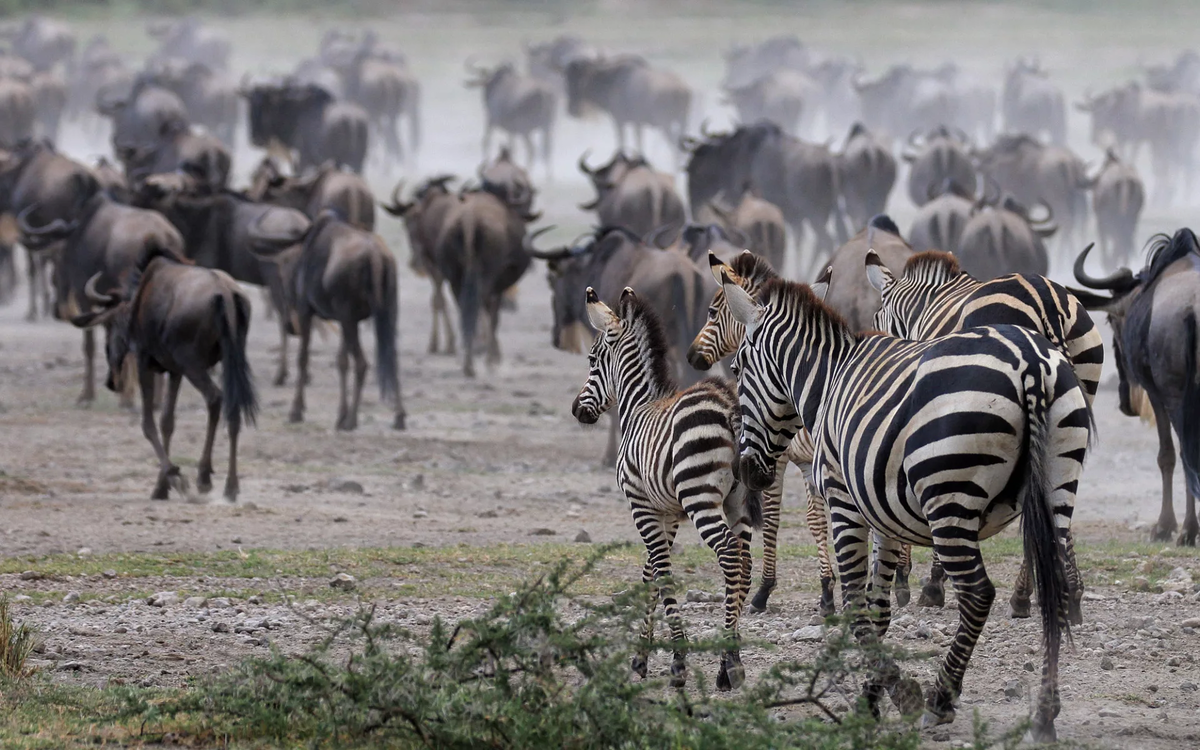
point(935, 297)
point(938, 443)
point(675, 461)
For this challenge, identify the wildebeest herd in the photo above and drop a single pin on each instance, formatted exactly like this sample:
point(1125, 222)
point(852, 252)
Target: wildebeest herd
point(972, 407)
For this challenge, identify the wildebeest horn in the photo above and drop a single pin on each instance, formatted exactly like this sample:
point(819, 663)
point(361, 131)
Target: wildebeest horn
point(533, 252)
point(1120, 280)
point(39, 237)
point(706, 133)
point(397, 207)
point(90, 293)
point(688, 143)
point(583, 167)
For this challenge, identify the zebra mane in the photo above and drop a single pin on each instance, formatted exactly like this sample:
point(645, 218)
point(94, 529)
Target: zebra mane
point(779, 292)
point(932, 266)
point(652, 340)
point(754, 269)
point(1163, 251)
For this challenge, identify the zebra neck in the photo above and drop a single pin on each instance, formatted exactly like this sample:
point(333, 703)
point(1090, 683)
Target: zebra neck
point(638, 384)
point(820, 355)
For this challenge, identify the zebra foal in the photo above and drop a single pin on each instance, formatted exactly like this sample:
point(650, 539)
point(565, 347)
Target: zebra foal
point(938, 443)
point(675, 460)
point(935, 297)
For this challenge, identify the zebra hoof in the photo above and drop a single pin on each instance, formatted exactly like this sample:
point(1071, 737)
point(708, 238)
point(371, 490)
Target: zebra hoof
point(907, 698)
point(759, 602)
point(1019, 608)
point(903, 597)
point(639, 665)
point(932, 595)
point(929, 719)
point(939, 708)
point(732, 674)
point(678, 673)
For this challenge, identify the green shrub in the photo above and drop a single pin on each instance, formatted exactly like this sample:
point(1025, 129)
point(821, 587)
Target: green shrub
point(16, 644)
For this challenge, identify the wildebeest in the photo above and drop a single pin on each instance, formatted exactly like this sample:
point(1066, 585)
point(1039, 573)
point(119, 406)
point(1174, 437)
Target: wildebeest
point(941, 154)
point(1117, 197)
point(423, 218)
point(848, 290)
point(100, 74)
point(745, 64)
point(801, 178)
point(321, 189)
point(904, 99)
point(786, 97)
point(209, 99)
point(633, 93)
point(189, 39)
point(1032, 104)
point(18, 112)
point(1183, 75)
point(49, 103)
point(866, 175)
point(104, 238)
point(760, 221)
point(1001, 237)
point(344, 274)
point(44, 42)
point(517, 104)
point(181, 320)
point(508, 182)
point(631, 194)
point(1155, 317)
point(306, 119)
point(938, 225)
point(547, 61)
point(381, 83)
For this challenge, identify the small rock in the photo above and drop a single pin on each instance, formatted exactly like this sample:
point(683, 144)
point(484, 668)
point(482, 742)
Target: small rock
point(1141, 583)
point(340, 519)
point(923, 630)
point(1191, 622)
point(70, 597)
point(218, 602)
point(219, 626)
point(194, 602)
point(236, 540)
point(84, 551)
point(31, 575)
point(1028, 667)
point(809, 633)
point(1108, 713)
point(1175, 661)
point(22, 598)
point(583, 537)
point(110, 573)
point(347, 486)
point(1014, 689)
point(417, 483)
point(543, 532)
point(254, 599)
point(421, 513)
point(695, 595)
point(488, 514)
point(163, 599)
point(1106, 663)
point(1152, 688)
point(1167, 596)
point(70, 666)
point(343, 581)
point(1187, 687)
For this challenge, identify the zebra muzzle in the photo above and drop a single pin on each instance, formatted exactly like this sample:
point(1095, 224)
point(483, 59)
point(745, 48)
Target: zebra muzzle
point(756, 473)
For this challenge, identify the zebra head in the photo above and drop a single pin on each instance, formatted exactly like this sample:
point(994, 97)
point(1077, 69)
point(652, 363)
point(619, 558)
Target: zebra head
point(903, 300)
point(722, 333)
point(769, 417)
point(599, 392)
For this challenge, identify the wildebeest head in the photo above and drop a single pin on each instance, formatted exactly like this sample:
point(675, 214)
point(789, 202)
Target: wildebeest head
point(606, 178)
point(276, 111)
point(592, 80)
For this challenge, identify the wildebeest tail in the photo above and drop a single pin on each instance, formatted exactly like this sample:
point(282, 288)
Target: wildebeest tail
point(414, 117)
point(232, 313)
point(384, 309)
point(1189, 438)
point(1045, 553)
point(471, 291)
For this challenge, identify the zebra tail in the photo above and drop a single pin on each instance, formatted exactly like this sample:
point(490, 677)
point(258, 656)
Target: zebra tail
point(745, 503)
point(1044, 551)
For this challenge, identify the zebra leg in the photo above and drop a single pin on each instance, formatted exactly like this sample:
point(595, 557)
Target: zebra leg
point(933, 592)
point(903, 593)
point(1019, 603)
point(642, 657)
point(658, 534)
point(772, 499)
point(905, 692)
point(959, 555)
point(817, 518)
point(1074, 581)
point(732, 674)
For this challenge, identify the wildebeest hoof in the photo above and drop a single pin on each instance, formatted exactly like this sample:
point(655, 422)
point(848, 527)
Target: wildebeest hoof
point(85, 400)
point(347, 424)
point(732, 674)
point(1163, 531)
point(932, 595)
point(399, 423)
point(906, 697)
point(1018, 607)
point(231, 489)
point(204, 481)
point(638, 665)
point(1188, 537)
point(296, 416)
point(759, 602)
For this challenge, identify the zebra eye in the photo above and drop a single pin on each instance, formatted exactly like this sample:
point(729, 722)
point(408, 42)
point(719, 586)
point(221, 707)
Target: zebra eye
point(712, 313)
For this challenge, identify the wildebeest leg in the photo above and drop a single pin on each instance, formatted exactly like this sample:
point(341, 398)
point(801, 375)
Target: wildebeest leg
point(351, 346)
point(281, 372)
point(129, 381)
point(639, 135)
point(231, 477)
point(168, 473)
point(1187, 538)
point(34, 271)
point(46, 288)
point(166, 424)
point(212, 399)
point(548, 151)
point(487, 140)
point(493, 317)
point(529, 149)
point(89, 368)
point(297, 413)
point(343, 364)
point(1166, 525)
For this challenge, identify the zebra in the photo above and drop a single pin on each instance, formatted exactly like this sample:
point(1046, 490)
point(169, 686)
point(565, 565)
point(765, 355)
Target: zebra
point(934, 297)
point(720, 338)
point(676, 459)
point(938, 443)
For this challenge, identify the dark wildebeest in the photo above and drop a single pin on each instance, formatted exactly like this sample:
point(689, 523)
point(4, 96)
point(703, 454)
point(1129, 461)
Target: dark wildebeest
point(611, 259)
point(305, 118)
point(939, 223)
point(112, 180)
point(35, 179)
point(218, 232)
point(1001, 238)
point(42, 41)
point(387, 91)
point(181, 320)
point(143, 115)
point(1118, 197)
point(760, 221)
point(198, 154)
point(210, 100)
point(547, 61)
point(632, 92)
point(508, 182)
point(941, 155)
point(1035, 173)
point(103, 237)
point(188, 39)
point(1032, 104)
point(517, 104)
point(1155, 316)
point(18, 112)
point(866, 175)
point(324, 188)
point(631, 194)
point(786, 97)
point(424, 218)
point(345, 274)
point(801, 178)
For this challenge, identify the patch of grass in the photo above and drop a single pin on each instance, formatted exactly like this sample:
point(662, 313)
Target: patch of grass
point(16, 644)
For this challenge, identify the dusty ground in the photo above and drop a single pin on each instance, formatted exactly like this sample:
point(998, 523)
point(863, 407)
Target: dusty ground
point(493, 479)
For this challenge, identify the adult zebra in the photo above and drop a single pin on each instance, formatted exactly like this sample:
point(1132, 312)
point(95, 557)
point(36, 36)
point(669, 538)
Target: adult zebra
point(939, 443)
point(676, 459)
point(934, 297)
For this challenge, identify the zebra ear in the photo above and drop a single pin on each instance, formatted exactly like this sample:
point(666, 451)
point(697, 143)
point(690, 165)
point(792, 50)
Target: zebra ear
point(600, 315)
point(744, 308)
point(820, 287)
point(878, 274)
point(719, 268)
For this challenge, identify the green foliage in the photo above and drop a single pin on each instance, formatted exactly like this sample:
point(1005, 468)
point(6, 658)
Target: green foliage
point(543, 668)
point(16, 644)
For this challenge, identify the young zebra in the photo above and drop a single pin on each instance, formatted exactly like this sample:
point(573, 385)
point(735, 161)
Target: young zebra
point(934, 297)
point(675, 459)
point(939, 443)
